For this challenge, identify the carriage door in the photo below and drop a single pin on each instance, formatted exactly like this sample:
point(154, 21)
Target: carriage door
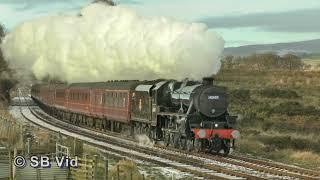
point(153, 107)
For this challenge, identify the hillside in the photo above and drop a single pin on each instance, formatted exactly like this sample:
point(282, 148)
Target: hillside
point(279, 108)
point(303, 48)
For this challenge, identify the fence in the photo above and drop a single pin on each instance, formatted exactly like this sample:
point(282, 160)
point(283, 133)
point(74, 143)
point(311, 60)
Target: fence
point(4, 163)
point(52, 173)
point(89, 167)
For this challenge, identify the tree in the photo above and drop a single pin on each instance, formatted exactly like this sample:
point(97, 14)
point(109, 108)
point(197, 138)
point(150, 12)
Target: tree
point(110, 2)
point(292, 62)
point(3, 63)
point(226, 62)
point(6, 77)
point(2, 32)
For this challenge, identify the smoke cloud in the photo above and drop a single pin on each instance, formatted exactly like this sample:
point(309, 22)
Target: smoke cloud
point(113, 43)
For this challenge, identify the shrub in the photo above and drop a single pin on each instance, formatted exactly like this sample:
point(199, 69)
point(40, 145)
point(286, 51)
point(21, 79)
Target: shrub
point(288, 142)
point(293, 108)
point(126, 169)
point(239, 96)
point(278, 93)
point(267, 126)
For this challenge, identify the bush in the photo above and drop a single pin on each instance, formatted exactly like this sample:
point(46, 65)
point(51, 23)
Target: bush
point(293, 108)
point(278, 93)
point(239, 95)
point(287, 142)
point(267, 126)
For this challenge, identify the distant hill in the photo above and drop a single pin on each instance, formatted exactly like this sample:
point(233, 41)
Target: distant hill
point(303, 48)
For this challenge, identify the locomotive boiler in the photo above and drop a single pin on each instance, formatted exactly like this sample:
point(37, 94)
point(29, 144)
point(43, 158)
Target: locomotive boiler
point(185, 114)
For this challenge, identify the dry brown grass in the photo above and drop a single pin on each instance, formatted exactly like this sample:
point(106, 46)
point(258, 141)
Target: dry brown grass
point(312, 64)
point(10, 131)
point(249, 145)
point(279, 128)
point(126, 170)
point(311, 158)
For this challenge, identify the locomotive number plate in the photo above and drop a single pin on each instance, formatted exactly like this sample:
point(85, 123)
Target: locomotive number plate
point(213, 97)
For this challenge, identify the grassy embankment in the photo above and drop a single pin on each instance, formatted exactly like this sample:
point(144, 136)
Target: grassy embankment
point(280, 113)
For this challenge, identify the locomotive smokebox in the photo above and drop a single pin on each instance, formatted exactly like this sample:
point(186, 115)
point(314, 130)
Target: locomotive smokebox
point(207, 80)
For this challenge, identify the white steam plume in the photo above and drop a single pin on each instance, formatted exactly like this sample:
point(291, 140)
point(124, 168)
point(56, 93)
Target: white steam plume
point(113, 43)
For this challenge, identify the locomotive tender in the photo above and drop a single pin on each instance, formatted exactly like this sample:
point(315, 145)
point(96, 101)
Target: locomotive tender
point(188, 114)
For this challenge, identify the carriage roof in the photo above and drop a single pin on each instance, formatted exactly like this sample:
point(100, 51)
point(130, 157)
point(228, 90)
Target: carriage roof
point(120, 85)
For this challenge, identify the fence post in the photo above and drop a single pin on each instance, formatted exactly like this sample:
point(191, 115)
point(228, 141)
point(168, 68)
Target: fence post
point(10, 165)
point(95, 167)
point(106, 168)
point(38, 174)
point(85, 165)
point(74, 146)
point(118, 173)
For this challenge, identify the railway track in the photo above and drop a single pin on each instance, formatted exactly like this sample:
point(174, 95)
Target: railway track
point(258, 165)
point(203, 165)
point(265, 163)
point(137, 152)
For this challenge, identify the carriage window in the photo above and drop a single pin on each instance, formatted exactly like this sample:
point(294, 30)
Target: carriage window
point(123, 101)
point(113, 99)
point(106, 99)
point(114, 103)
point(140, 104)
point(110, 99)
point(117, 99)
point(120, 100)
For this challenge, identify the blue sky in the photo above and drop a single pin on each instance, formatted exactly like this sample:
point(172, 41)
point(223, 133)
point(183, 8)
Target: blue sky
point(239, 22)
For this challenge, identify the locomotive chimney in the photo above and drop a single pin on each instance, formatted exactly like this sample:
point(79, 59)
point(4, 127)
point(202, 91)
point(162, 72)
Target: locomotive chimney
point(207, 80)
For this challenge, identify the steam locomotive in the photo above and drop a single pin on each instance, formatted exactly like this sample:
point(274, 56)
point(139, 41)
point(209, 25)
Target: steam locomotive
point(187, 114)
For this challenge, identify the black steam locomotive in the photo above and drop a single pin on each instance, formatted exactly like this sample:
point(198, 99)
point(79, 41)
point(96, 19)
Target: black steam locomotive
point(188, 114)
point(193, 115)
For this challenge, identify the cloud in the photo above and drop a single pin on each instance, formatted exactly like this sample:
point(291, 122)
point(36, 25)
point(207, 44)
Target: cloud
point(20, 5)
point(132, 2)
point(14, 12)
point(291, 21)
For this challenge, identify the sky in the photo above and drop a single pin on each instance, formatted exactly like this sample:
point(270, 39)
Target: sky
point(239, 22)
